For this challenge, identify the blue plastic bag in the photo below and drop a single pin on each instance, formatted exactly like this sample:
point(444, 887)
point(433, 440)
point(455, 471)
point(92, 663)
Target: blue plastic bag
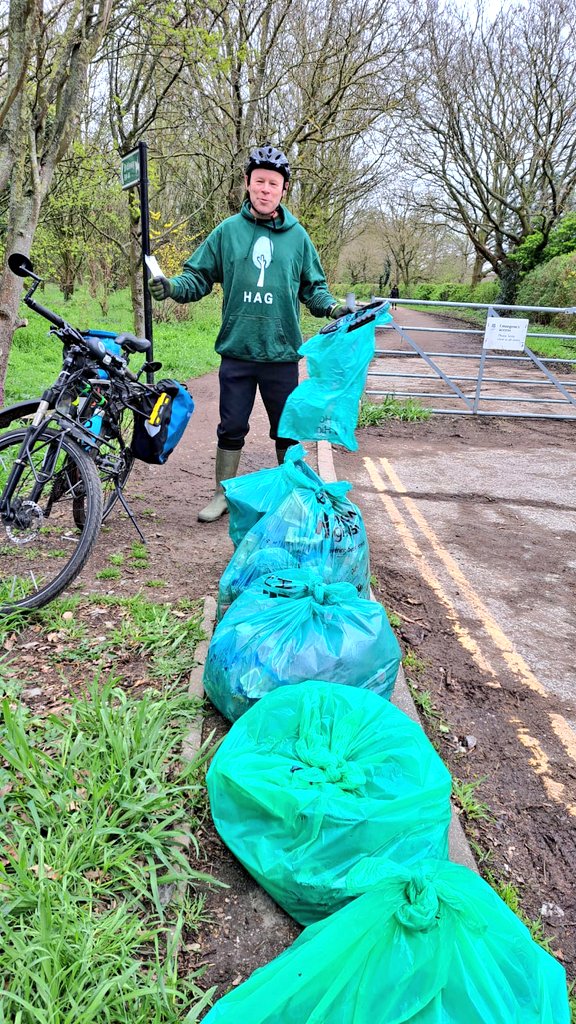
point(325, 406)
point(262, 562)
point(290, 627)
point(430, 945)
point(252, 495)
point(316, 777)
point(318, 527)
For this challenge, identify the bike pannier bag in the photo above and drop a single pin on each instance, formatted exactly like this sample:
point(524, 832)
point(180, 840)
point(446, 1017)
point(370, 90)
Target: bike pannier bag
point(160, 420)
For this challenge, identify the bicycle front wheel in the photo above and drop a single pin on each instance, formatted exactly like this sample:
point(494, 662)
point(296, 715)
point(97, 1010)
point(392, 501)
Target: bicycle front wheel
point(42, 549)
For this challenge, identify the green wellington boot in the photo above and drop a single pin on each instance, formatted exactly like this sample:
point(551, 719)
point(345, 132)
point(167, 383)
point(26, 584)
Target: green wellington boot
point(226, 467)
point(281, 454)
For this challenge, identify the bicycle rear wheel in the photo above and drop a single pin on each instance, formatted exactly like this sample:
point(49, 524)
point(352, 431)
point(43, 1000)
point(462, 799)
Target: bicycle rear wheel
point(114, 462)
point(117, 454)
point(42, 549)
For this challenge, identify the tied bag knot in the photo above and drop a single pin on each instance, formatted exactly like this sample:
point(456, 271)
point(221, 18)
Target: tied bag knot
point(329, 767)
point(421, 908)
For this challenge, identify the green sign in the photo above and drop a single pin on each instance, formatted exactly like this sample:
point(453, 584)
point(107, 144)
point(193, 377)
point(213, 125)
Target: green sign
point(130, 169)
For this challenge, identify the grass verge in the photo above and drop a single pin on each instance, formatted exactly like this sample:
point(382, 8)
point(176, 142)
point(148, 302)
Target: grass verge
point(94, 808)
point(390, 408)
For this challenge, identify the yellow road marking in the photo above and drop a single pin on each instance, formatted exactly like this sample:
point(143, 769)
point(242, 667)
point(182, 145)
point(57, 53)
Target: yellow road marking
point(541, 764)
point(564, 733)
point(427, 573)
point(514, 660)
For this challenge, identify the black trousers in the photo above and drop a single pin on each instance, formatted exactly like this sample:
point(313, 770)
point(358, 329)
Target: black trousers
point(239, 379)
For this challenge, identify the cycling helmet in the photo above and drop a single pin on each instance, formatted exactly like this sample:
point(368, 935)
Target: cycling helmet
point(269, 157)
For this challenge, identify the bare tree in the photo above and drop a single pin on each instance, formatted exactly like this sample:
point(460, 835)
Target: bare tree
point(143, 60)
point(309, 75)
point(491, 131)
point(55, 44)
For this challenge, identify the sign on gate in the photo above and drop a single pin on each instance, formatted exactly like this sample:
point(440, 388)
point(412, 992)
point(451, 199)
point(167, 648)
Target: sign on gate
point(506, 334)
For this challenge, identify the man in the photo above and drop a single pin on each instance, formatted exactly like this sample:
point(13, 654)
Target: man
point(266, 264)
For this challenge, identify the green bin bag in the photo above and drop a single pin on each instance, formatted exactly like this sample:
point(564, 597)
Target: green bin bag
point(252, 495)
point(318, 527)
point(431, 945)
point(289, 627)
point(317, 776)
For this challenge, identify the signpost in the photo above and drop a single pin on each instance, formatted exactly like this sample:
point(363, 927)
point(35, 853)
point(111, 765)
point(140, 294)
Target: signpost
point(134, 173)
point(130, 169)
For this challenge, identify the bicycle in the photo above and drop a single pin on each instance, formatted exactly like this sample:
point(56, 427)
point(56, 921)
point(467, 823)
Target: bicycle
point(64, 467)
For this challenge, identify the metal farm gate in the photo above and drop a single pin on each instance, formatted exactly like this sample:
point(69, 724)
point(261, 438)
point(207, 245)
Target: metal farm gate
point(473, 371)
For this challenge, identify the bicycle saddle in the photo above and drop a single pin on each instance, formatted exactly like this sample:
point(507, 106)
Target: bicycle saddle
point(130, 343)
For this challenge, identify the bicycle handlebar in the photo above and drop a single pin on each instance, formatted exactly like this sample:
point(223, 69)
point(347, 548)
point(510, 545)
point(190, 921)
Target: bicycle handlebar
point(46, 313)
point(97, 349)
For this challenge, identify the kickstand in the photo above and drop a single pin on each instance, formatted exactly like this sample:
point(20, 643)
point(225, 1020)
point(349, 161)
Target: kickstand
point(129, 513)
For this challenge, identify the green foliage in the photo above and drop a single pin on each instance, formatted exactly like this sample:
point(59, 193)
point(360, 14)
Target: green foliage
point(456, 292)
point(84, 224)
point(390, 408)
point(530, 251)
point(94, 806)
point(562, 239)
point(552, 284)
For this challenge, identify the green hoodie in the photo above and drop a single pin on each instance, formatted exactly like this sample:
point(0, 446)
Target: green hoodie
point(265, 268)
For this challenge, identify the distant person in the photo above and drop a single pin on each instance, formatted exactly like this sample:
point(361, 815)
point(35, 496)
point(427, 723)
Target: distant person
point(266, 264)
point(394, 294)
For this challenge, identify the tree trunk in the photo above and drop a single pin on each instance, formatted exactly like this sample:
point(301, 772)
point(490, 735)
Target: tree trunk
point(19, 239)
point(509, 281)
point(477, 269)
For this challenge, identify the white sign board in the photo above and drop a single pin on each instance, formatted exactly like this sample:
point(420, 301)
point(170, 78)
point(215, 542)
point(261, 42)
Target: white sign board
point(507, 334)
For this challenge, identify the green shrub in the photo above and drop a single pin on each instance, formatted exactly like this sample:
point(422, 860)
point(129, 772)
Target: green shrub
point(421, 291)
point(486, 291)
point(551, 284)
point(454, 292)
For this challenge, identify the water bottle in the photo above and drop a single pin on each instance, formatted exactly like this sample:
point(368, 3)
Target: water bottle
point(96, 410)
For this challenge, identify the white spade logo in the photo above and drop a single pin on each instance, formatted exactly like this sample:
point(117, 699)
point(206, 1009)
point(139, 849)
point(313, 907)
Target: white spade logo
point(262, 256)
